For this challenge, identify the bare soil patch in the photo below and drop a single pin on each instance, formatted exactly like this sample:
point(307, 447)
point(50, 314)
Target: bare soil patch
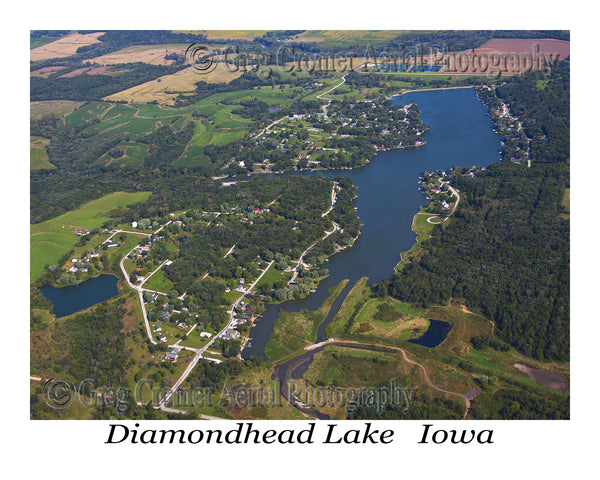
point(97, 70)
point(511, 55)
point(548, 379)
point(526, 45)
point(74, 73)
point(47, 70)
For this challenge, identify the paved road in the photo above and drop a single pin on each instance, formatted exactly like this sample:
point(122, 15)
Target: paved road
point(139, 288)
point(335, 228)
point(200, 351)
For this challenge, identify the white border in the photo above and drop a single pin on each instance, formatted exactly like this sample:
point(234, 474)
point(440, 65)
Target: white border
point(544, 449)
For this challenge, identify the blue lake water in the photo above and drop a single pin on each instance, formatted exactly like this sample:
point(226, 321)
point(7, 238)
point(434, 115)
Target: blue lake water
point(461, 135)
point(73, 298)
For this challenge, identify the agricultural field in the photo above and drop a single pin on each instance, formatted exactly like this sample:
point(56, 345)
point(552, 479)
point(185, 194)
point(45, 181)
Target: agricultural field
point(59, 108)
point(64, 46)
point(525, 45)
point(51, 239)
point(150, 54)
point(233, 34)
point(213, 119)
point(348, 37)
point(38, 156)
point(166, 89)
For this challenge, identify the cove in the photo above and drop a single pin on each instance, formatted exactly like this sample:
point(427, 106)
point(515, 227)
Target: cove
point(73, 298)
point(461, 134)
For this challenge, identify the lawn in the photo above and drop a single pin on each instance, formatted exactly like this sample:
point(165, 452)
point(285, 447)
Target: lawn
point(53, 238)
point(423, 228)
point(232, 296)
point(159, 282)
point(271, 276)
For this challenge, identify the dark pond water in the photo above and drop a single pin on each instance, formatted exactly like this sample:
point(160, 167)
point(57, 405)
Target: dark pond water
point(461, 135)
point(73, 298)
point(434, 335)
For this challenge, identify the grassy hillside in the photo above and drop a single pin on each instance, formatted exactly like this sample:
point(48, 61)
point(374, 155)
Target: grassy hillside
point(51, 239)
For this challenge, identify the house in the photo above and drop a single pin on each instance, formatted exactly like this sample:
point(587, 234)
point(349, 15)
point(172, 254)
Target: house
point(231, 334)
point(205, 334)
point(157, 328)
point(161, 338)
point(134, 224)
point(172, 355)
point(239, 288)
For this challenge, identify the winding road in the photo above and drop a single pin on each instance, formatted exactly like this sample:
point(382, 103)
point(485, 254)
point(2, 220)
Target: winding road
point(200, 351)
point(467, 397)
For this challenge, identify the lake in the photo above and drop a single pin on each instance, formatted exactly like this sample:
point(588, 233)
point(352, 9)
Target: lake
point(73, 298)
point(461, 135)
point(434, 335)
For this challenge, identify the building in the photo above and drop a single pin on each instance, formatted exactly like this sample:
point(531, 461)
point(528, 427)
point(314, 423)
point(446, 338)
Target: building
point(205, 334)
point(172, 355)
point(231, 334)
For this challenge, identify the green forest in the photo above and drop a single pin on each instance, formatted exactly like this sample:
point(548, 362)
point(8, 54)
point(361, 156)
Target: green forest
point(506, 252)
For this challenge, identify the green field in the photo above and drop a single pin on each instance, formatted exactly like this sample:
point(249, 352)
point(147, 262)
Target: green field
point(51, 239)
point(38, 156)
point(423, 229)
point(350, 37)
point(566, 200)
point(59, 108)
point(271, 276)
point(159, 282)
point(356, 318)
